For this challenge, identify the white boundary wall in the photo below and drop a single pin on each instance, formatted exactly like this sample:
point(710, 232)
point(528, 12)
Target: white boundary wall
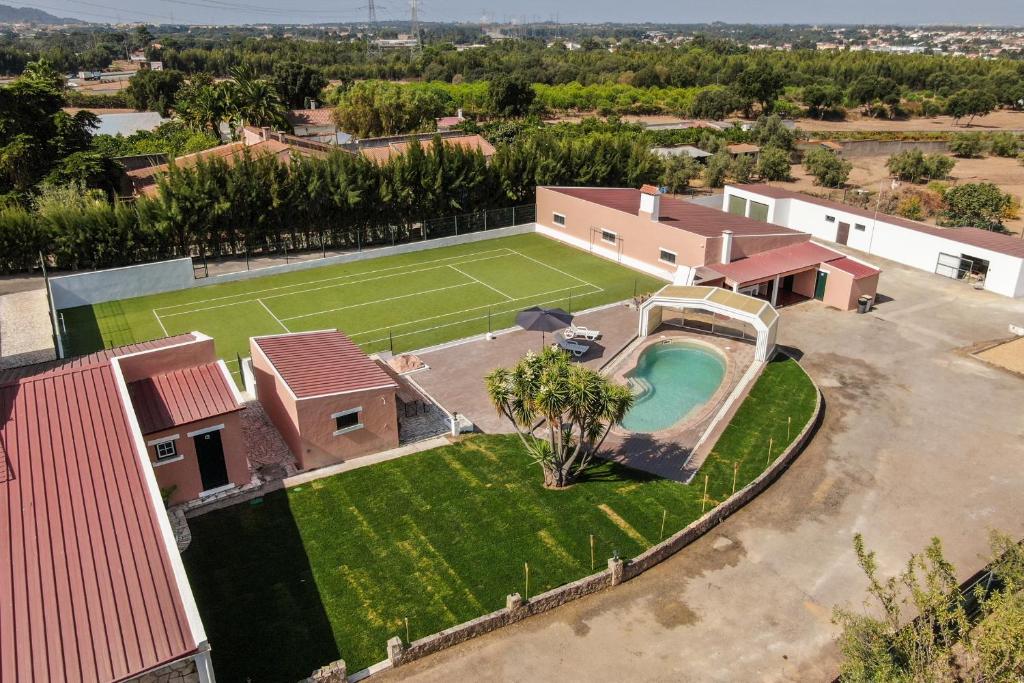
point(904, 245)
point(96, 287)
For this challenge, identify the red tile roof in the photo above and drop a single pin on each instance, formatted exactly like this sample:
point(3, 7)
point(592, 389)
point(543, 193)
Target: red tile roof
point(88, 591)
point(700, 220)
point(181, 397)
point(321, 363)
point(742, 148)
point(985, 239)
point(774, 262)
point(855, 268)
point(310, 117)
point(383, 153)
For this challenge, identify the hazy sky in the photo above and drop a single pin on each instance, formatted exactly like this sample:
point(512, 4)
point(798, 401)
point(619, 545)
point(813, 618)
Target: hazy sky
point(1001, 12)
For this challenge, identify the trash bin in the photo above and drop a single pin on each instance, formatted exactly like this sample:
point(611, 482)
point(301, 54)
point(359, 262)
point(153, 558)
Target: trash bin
point(864, 304)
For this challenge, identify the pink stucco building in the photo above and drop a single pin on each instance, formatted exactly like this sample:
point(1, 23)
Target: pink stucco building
point(330, 401)
point(686, 243)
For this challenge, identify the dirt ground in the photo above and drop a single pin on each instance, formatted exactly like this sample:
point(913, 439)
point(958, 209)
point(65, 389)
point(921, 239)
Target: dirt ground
point(1009, 355)
point(870, 173)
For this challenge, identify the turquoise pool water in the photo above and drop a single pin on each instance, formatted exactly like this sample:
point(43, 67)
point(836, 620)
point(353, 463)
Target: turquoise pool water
point(673, 378)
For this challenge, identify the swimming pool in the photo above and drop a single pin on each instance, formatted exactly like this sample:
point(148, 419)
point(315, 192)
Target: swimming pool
point(673, 379)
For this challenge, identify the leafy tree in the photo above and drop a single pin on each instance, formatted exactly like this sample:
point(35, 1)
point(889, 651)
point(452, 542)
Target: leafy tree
point(769, 131)
point(914, 166)
point(296, 83)
point(575, 405)
point(154, 90)
point(828, 168)
point(773, 164)
point(762, 83)
point(966, 145)
point(716, 168)
point(680, 171)
point(822, 100)
point(203, 104)
point(970, 103)
point(374, 108)
point(713, 103)
point(742, 168)
point(510, 95)
point(872, 90)
point(172, 138)
point(979, 205)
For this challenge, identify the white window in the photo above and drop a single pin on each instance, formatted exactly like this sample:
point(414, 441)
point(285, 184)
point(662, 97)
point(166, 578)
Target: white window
point(860, 226)
point(608, 236)
point(347, 421)
point(666, 256)
point(559, 219)
point(165, 450)
point(830, 219)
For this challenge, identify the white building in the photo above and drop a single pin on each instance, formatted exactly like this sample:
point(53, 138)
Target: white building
point(994, 260)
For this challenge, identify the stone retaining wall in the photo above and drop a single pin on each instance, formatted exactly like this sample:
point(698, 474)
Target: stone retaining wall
point(516, 608)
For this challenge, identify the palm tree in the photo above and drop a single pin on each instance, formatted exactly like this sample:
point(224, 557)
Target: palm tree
point(254, 101)
point(574, 405)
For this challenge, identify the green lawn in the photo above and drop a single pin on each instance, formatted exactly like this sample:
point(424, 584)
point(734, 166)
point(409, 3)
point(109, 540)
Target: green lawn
point(410, 301)
point(333, 568)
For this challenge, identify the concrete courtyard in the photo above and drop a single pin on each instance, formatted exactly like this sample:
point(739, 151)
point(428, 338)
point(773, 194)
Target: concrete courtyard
point(919, 440)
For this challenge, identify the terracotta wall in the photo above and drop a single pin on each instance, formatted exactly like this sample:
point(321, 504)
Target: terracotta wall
point(321, 447)
point(184, 473)
point(276, 400)
point(160, 361)
point(842, 291)
point(803, 283)
point(747, 245)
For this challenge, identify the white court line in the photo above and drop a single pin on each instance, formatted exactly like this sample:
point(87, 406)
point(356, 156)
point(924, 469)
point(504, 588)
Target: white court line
point(506, 250)
point(378, 301)
point(457, 322)
point(493, 289)
point(464, 310)
point(274, 316)
point(317, 289)
point(161, 323)
point(557, 270)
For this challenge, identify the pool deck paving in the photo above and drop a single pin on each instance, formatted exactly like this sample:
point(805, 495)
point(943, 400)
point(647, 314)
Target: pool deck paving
point(919, 439)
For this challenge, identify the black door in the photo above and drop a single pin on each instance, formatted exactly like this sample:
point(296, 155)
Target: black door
point(210, 454)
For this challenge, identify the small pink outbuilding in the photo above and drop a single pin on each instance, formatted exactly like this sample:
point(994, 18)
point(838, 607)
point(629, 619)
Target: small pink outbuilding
point(330, 401)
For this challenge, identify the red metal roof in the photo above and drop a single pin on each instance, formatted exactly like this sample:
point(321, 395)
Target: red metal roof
point(319, 363)
point(985, 239)
point(855, 268)
point(782, 261)
point(694, 218)
point(87, 588)
point(180, 397)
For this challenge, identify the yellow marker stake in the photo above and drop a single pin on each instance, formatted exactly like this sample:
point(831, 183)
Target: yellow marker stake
point(735, 471)
point(591, 552)
point(526, 566)
point(664, 513)
point(704, 500)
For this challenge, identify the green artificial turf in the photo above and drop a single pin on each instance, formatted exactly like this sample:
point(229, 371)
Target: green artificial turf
point(402, 302)
point(333, 568)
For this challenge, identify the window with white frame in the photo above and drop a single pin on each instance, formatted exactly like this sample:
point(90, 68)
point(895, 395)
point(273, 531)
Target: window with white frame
point(347, 421)
point(666, 256)
point(165, 450)
point(860, 226)
point(608, 236)
point(559, 219)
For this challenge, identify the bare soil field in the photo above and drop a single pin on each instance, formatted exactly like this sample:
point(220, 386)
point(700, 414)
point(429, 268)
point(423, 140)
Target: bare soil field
point(870, 173)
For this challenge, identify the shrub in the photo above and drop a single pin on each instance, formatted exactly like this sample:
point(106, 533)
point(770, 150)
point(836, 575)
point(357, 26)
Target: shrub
point(981, 205)
point(1005, 145)
point(742, 168)
point(966, 145)
point(716, 169)
point(828, 168)
point(679, 172)
point(915, 167)
point(773, 164)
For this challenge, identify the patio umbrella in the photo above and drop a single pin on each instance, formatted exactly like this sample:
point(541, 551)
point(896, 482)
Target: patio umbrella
point(540, 319)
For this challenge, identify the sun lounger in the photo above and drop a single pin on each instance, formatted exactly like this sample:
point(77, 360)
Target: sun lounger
point(580, 332)
point(575, 348)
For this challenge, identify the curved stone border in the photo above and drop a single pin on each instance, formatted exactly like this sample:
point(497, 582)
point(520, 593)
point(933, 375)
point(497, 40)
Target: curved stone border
point(618, 570)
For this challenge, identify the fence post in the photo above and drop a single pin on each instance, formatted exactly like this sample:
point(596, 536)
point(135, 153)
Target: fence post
point(513, 215)
point(485, 219)
point(456, 225)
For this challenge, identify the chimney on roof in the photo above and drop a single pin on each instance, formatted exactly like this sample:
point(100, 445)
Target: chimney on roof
point(459, 113)
point(650, 202)
point(264, 132)
point(312, 104)
point(726, 246)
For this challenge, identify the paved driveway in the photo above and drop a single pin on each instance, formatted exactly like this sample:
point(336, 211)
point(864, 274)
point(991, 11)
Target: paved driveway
point(919, 440)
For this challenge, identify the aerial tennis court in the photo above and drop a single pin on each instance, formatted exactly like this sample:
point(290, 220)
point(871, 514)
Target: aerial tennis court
point(400, 302)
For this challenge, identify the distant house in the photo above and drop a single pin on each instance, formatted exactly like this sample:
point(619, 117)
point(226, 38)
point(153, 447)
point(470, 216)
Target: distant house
point(330, 401)
point(317, 124)
point(381, 153)
point(447, 123)
point(680, 150)
point(255, 142)
point(742, 149)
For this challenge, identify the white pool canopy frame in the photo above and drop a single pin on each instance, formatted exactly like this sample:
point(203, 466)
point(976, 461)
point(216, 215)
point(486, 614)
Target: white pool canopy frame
point(758, 313)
